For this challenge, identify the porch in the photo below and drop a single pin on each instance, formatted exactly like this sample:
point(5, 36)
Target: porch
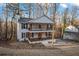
point(39, 39)
point(39, 36)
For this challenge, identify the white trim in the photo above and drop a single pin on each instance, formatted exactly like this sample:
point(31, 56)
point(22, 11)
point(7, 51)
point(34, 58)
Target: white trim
point(26, 30)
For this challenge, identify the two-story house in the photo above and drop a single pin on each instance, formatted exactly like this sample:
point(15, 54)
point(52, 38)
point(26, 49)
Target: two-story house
point(34, 30)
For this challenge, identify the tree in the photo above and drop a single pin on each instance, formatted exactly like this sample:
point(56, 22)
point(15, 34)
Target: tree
point(0, 29)
point(54, 10)
point(7, 37)
point(9, 12)
point(64, 21)
point(74, 13)
point(30, 10)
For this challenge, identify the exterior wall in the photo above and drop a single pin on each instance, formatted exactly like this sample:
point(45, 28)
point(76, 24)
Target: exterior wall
point(18, 32)
point(44, 27)
point(44, 35)
point(36, 27)
point(32, 27)
point(71, 36)
point(40, 35)
point(35, 35)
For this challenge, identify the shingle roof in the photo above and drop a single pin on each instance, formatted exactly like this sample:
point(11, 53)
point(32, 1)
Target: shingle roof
point(24, 20)
point(42, 19)
point(71, 29)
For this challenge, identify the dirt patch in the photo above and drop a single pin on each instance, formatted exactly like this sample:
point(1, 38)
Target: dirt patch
point(26, 49)
point(26, 45)
point(21, 45)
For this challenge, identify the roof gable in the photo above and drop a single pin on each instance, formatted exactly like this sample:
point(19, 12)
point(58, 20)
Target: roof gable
point(42, 19)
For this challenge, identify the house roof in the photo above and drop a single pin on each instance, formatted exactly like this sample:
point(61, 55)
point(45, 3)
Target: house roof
point(71, 29)
point(42, 19)
point(24, 20)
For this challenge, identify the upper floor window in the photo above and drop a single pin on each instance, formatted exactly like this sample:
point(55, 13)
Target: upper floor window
point(24, 26)
point(39, 26)
point(49, 26)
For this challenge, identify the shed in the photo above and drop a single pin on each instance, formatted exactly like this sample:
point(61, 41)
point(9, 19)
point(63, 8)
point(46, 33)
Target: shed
point(71, 32)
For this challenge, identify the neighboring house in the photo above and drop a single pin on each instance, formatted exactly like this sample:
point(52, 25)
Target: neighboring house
point(34, 30)
point(71, 32)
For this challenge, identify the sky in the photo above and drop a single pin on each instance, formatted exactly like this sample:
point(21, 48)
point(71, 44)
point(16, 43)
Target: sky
point(0, 8)
point(61, 8)
point(37, 1)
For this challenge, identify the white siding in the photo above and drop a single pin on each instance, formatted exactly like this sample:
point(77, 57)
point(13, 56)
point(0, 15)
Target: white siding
point(43, 35)
point(44, 27)
point(35, 35)
point(19, 32)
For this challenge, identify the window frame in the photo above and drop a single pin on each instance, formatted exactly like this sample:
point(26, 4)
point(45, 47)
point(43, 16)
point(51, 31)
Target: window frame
point(24, 26)
point(49, 26)
point(23, 35)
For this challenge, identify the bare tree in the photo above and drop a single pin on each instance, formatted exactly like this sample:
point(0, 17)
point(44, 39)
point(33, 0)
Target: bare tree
point(64, 21)
point(30, 10)
point(54, 9)
point(74, 13)
point(0, 29)
point(8, 34)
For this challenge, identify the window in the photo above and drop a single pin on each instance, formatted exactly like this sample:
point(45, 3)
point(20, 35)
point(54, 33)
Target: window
point(49, 34)
point(39, 26)
point(26, 34)
point(23, 35)
point(24, 25)
point(49, 26)
point(32, 34)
